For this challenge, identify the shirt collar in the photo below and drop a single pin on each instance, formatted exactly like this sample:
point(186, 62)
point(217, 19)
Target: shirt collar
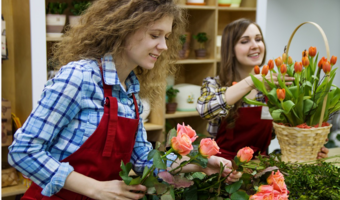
point(111, 76)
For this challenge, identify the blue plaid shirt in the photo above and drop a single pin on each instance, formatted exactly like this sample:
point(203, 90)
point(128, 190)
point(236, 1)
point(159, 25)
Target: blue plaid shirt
point(69, 111)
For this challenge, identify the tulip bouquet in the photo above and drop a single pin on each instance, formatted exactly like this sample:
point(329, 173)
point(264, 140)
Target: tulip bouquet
point(163, 183)
point(301, 103)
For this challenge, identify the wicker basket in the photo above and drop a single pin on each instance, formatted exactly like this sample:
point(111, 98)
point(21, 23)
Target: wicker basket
point(297, 144)
point(300, 145)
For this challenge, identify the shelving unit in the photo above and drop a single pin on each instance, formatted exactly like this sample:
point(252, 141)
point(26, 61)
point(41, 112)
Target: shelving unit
point(210, 19)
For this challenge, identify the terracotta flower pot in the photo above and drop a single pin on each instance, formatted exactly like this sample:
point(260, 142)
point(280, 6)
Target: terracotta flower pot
point(171, 108)
point(300, 145)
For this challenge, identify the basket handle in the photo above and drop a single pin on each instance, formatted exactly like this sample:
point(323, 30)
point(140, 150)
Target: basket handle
point(328, 58)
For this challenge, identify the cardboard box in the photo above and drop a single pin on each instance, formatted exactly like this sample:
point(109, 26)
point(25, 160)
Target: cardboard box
point(6, 123)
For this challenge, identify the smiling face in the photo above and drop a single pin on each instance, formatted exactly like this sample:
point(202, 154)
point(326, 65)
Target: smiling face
point(145, 46)
point(250, 49)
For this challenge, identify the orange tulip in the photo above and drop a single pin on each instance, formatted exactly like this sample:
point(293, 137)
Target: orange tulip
point(312, 51)
point(265, 70)
point(281, 94)
point(283, 69)
point(257, 69)
point(333, 60)
point(305, 61)
point(326, 67)
point(271, 64)
point(322, 60)
point(298, 67)
point(290, 60)
point(284, 58)
point(234, 83)
point(305, 53)
point(278, 62)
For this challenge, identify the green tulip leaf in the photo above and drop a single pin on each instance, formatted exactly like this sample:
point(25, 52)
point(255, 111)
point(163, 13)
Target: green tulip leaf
point(271, 85)
point(253, 102)
point(277, 115)
point(288, 105)
point(258, 84)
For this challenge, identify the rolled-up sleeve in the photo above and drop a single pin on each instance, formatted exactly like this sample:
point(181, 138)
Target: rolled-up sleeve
point(29, 153)
point(212, 104)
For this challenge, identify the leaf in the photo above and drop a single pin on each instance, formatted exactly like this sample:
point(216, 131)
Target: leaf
point(258, 84)
point(151, 190)
point(234, 187)
point(202, 161)
point(152, 153)
point(182, 182)
point(191, 193)
point(158, 162)
point(172, 192)
point(253, 102)
point(288, 105)
point(198, 175)
point(239, 195)
point(172, 133)
point(167, 177)
point(166, 197)
point(161, 188)
point(135, 181)
point(145, 172)
point(338, 137)
point(150, 181)
point(124, 174)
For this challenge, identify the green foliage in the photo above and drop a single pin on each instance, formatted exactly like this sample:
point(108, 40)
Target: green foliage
point(171, 93)
point(304, 98)
point(183, 39)
point(79, 7)
point(201, 38)
point(319, 180)
point(56, 8)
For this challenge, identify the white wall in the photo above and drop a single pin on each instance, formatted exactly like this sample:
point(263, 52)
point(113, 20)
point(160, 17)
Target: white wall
point(283, 16)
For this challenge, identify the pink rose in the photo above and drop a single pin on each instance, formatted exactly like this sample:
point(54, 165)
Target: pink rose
point(208, 147)
point(245, 154)
point(187, 130)
point(262, 196)
point(181, 144)
point(265, 188)
point(277, 180)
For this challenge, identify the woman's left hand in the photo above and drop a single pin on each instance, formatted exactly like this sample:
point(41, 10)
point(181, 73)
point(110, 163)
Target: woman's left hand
point(323, 153)
point(213, 167)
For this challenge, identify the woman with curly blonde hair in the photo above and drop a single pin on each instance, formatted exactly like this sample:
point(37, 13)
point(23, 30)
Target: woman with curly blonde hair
point(87, 121)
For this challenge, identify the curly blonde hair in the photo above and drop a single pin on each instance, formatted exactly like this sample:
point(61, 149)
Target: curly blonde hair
point(106, 24)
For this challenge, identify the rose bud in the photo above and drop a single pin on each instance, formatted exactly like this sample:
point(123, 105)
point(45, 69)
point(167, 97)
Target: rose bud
point(333, 60)
point(290, 60)
point(298, 67)
point(208, 147)
point(326, 67)
point(271, 64)
point(257, 69)
point(312, 51)
point(281, 94)
point(278, 62)
point(245, 154)
point(322, 60)
point(283, 69)
point(182, 144)
point(284, 58)
point(305, 61)
point(265, 70)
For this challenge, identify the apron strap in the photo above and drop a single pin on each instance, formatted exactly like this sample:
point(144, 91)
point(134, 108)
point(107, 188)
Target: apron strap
point(112, 103)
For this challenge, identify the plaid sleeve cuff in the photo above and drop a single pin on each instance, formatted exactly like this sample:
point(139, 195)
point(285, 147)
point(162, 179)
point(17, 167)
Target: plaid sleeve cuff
point(58, 180)
point(221, 99)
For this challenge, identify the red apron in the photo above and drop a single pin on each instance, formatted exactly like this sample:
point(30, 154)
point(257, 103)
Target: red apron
point(101, 154)
point(250, 130)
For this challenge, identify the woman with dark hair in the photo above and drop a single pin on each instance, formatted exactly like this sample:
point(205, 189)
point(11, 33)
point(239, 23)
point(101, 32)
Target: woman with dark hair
point(234, 123)
point(87, 120)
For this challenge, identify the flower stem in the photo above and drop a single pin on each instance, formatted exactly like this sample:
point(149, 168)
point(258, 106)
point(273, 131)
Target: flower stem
point(167, 153)
point(184, 163)
point(271, 76)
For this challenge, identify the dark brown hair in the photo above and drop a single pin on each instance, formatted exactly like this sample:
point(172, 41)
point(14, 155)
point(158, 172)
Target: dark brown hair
point(106, 24)
point(230, 36)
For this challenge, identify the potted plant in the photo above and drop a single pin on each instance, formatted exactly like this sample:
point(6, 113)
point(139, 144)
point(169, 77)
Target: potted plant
point(78, 7)
point(55, 19)
point(171, 105)
point(300, 111)
point(201, 38)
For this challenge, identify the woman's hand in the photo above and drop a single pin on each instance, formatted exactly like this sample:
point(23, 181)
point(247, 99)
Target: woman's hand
point(116, 189)
point(288, 80)
point(323, 153)
point(213, 167)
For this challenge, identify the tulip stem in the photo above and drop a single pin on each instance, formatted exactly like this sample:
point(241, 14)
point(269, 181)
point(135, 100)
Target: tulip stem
point(282, 105)
point(271, 76)
point(298, 88)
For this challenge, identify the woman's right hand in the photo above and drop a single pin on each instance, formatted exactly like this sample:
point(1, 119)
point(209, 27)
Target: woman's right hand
point(288, 80)
point(116, 189)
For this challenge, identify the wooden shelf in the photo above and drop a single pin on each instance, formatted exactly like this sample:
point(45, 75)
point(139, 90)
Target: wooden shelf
point(237, 8)
point(195, 61)
point(198, 7)
point(152, 127)
point(53, 39)
point(178, 114)
point(13, 190)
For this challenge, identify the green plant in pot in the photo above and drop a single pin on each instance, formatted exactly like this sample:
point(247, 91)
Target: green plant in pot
point(171, 105)
point(78, 7)
point(55, 17)
point(182, 40)
point(201, 38)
